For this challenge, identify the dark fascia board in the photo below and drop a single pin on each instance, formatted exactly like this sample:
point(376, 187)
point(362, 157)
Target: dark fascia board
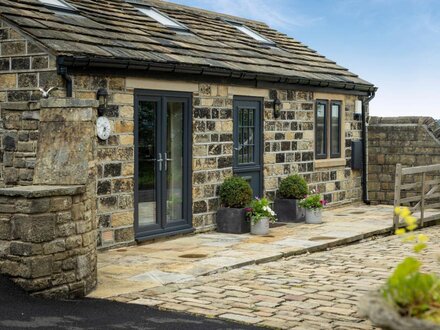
point(192, 72)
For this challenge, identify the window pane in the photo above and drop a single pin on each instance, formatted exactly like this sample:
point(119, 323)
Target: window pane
point(254, 35)
point(56, 3)
point(246, 131)
point(161, 18)
point(320, 133)
point(335, 134)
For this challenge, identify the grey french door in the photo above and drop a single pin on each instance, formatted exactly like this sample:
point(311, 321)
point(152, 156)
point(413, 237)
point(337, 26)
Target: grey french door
point(248, 141)
point(162, 163)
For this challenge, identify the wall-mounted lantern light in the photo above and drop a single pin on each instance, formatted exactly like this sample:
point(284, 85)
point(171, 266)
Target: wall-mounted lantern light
point(277, 105)
point(102, 97)
point(358, 110)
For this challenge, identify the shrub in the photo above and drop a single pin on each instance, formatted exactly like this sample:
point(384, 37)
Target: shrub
point(410, 291)
point(293, 187)
point(235, 192)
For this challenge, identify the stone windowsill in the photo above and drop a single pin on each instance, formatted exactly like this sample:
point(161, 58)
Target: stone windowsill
point(42, 191)
point(321, 163)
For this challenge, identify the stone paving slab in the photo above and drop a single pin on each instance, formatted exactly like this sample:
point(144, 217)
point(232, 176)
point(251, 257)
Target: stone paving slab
point(122, 271)
point(314, 291)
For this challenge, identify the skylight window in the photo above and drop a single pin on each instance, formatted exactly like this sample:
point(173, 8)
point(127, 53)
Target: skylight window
point(58, 5)
point(251, 33)
point(162, 18)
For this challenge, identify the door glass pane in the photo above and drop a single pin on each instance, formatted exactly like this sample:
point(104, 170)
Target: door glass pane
point(174, 162)
point(246, 132)
point(147, 162)
point(320, 130)
point(335, 130)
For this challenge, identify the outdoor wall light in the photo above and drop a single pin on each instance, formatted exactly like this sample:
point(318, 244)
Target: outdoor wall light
point(276, 107)
point(102, 97)
point(358, 110)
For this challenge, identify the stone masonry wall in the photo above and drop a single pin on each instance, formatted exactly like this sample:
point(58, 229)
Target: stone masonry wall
point(24, 67)
point(410, 141)
point(288, 149)
point(47, 245)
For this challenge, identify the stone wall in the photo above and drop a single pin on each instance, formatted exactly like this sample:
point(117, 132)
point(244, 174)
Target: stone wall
point(47, 244)
point(24, 68)
point(288, 148)
point(410, 141)
point(48, 229)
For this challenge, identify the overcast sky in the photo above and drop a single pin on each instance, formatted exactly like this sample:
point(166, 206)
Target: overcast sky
point(394, 44)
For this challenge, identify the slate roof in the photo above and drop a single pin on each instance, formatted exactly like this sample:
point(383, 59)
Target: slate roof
point(114, 31)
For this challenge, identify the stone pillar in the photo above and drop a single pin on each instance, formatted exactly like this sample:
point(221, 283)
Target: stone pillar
point(48, 231)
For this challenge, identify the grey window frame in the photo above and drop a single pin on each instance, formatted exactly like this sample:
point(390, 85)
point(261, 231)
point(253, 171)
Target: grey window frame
point(60, 9)
point(332, 154)
point(181, 28)
point(325, 142)
point(269, 42)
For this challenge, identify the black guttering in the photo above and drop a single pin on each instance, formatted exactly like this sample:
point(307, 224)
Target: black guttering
point(365, 110)
point(124, 64)
point(62, 70)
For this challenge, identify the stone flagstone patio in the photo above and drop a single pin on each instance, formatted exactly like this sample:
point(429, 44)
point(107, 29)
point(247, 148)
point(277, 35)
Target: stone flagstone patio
point(133, 269)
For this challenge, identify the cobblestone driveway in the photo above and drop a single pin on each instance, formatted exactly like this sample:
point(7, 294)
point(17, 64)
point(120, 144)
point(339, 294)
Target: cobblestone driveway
point(316, 291)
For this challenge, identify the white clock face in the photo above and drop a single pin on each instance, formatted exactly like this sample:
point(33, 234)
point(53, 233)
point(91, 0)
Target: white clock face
point(103, 127)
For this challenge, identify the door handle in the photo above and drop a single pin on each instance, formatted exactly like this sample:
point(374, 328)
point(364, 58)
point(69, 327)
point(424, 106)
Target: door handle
point(166, 159)
point(160, 161)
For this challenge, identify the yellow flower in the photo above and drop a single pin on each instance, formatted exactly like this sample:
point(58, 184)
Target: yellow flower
point(409, 238)
point(405, 212)
point(400, 231)
point(421, 238)
point(419, 247)
point(397, 210)
point(410, 220)
point(411, 227)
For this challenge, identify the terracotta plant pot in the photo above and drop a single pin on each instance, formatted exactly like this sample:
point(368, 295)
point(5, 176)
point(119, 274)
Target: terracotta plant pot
point(313, 216)
point(261, 227)
point(374, 307)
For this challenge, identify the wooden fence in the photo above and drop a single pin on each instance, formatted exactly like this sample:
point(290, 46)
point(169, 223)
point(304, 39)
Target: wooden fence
point(423, 194)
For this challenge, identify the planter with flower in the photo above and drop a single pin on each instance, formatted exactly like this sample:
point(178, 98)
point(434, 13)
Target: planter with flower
point(260, 215)
point(292, 189)
point(313, 204)
point(235, 193)
point(410, 298)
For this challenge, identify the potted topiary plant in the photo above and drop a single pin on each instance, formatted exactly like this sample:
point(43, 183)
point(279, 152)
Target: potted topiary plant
point(292, 189)
point(260, 215)
point(235, 193)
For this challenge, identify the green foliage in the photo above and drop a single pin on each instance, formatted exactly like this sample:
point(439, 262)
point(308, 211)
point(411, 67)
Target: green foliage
point(293, 187)
point(235, 192)
point(312, 202)
point(260, 208)
point(413, 293)
point(410, 291)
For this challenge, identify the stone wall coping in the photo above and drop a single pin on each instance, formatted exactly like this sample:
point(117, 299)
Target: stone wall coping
point(20, 106)
point(42, 191)
point(68, 103)
point(416, 120)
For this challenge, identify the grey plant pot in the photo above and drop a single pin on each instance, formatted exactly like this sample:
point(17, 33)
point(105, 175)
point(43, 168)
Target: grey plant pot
point(314, 216)
point(233, 221)
point(381, 314)
point(288, 210)
point(261, 227)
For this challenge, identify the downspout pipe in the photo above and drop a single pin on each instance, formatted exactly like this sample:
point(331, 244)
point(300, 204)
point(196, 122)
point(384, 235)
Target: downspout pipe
point(365, 111)
point(62, 70)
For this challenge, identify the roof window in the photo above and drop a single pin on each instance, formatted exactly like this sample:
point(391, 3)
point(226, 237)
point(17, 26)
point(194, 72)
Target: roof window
point(251, 33)
point(59, 6)
point(162, 18)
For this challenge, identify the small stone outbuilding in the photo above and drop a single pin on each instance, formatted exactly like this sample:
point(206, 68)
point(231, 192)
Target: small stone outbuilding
point(188, 97)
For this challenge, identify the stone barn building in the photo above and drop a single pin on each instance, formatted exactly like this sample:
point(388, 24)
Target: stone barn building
point(151, 106)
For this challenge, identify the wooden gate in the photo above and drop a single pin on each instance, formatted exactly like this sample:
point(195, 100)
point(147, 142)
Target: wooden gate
point(422, 195)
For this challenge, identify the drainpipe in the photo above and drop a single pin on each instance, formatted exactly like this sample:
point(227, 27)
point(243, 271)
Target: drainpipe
point(365, 110)
point(62, 70)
